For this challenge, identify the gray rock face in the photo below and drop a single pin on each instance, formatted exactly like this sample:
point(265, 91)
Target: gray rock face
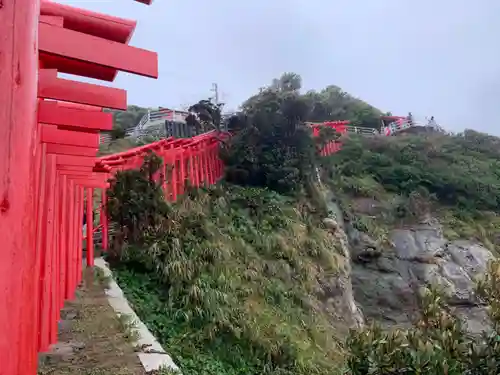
point(338, 291)
point(385, 283)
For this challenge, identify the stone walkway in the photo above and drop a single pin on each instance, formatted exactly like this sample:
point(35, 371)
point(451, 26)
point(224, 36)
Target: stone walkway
point(92, 339)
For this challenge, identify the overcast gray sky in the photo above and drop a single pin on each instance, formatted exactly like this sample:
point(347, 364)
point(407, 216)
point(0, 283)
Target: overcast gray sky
point(431, 57)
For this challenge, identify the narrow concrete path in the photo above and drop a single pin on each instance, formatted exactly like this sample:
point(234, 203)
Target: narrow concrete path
point(92, 339)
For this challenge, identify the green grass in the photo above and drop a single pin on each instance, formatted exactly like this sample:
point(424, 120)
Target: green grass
point(235, 285)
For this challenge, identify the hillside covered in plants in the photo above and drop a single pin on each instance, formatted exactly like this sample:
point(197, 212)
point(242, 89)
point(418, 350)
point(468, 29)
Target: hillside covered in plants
point(422, 218)
point(455, 178)
point(267, 272)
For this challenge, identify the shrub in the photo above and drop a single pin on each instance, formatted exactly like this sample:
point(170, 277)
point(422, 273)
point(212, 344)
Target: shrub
point(136, 204)
point(437, 344)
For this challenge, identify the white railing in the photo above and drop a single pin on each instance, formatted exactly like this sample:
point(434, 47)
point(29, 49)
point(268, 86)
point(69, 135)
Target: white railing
point(361, 130)
point(104, 138)
point(177, 125)
point(144, 120)
point(397, 127)
point(153, 117)
point(170, 123)
point(393, 128)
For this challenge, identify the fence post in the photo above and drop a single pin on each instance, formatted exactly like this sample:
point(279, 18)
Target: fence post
point(104, 220)
point(81, 195)
point(47, 260)
point(70, 243)
point(90, 227)
point(63, 238)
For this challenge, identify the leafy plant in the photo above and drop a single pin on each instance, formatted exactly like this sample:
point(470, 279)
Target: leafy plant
point(136, 204)
point(205, 116)
point(437, 344)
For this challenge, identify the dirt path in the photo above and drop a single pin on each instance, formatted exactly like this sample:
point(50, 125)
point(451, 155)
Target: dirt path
point(92, 339)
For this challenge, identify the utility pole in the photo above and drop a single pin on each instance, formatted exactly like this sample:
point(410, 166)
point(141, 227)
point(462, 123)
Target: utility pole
point(215, 89)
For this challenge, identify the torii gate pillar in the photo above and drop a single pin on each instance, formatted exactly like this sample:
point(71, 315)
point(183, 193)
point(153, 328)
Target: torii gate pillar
point(42, 136)
point(18, 142)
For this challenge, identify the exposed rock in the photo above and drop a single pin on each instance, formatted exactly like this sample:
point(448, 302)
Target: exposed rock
point(330, 224)
point(364, 249)
point(385, 286)
point(368, 206)
point(338, 292)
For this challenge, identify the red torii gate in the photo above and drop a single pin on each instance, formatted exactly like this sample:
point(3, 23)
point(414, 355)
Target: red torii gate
point(187, 159)
point(47, 158)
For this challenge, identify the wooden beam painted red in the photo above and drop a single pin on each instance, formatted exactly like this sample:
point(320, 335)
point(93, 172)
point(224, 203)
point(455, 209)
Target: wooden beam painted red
point(92, 23)
point(78, 68)
point(162, 143)
point(75, 119)
point(52, 20)
point(73, 168)
point(82, 161)
point(85, 173)
point(54, 148)
point(117, 162)
point(91, 175)
point(51, 134)
point(100, 168)
point(82, 47)
point(84, 107)
point(90, 184)
point(52, 87)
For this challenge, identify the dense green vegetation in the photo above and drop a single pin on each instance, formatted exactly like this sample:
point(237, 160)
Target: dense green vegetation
point(328, 104)
point(234, 279)
point(437, 344)
point(454, 177)
point(237, 278)
point(230, 279)
point(125, 120)
point(272, 147)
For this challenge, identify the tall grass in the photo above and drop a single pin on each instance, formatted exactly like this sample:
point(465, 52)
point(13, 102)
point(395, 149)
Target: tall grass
point(233, 281)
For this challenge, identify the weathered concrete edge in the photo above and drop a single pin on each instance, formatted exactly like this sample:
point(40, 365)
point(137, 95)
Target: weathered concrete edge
point(153, 356)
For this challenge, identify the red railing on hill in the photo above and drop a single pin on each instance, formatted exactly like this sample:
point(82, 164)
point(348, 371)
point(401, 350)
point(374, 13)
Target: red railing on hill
point(193, 159)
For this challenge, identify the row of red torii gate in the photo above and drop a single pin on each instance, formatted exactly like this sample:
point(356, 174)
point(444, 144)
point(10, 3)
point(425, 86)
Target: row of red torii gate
point(49, 138)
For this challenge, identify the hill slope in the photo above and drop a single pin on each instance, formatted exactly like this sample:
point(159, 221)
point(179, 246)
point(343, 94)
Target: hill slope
point(455, 177)
point(421, 210)
point(242, 281)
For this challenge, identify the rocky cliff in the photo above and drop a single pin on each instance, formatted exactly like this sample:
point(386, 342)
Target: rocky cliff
point(386, 281)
